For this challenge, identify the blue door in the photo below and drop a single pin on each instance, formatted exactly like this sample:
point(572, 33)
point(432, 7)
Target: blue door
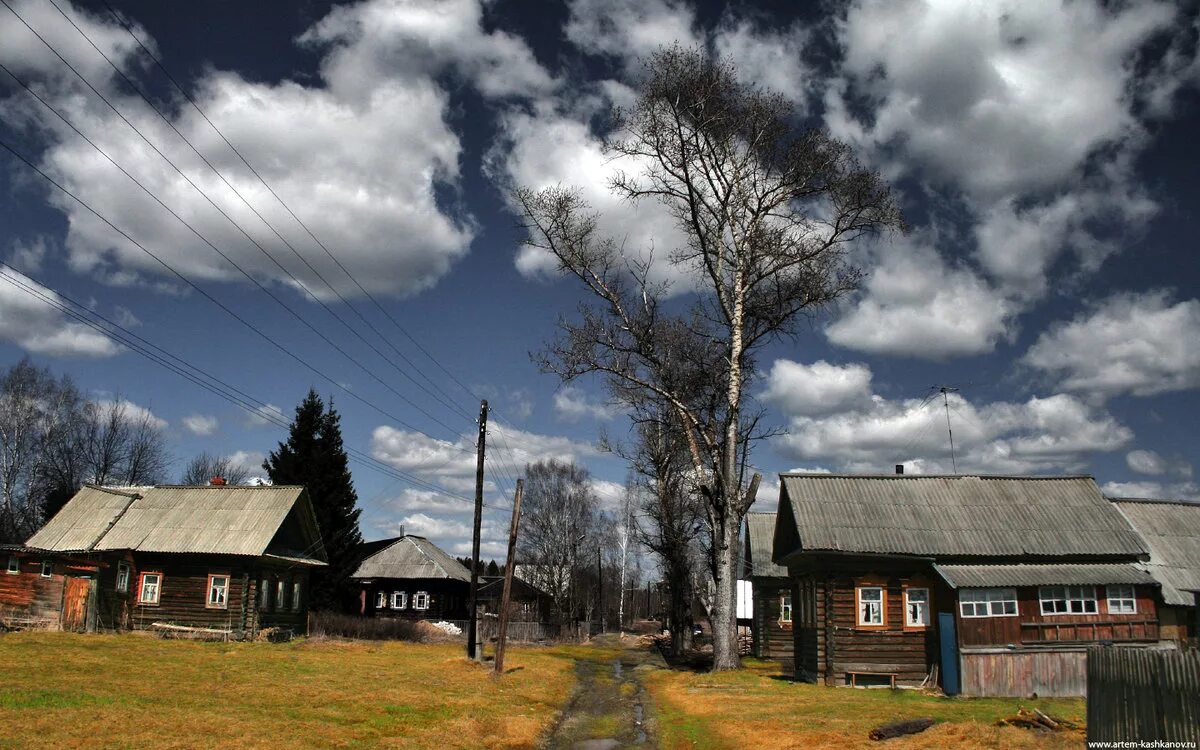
point(949, 651)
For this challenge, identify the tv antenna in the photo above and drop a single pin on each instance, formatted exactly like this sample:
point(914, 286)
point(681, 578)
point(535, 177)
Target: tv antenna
point(946, 390)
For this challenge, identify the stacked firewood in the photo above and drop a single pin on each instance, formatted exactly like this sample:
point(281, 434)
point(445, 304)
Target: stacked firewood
point(1036, 720)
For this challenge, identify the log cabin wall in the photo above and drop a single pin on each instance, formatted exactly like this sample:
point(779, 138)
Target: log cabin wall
point(183, 593)
point(270, 601)
point(1031, 627)
point(448, 598)
point(772, 636)
point(27, 598)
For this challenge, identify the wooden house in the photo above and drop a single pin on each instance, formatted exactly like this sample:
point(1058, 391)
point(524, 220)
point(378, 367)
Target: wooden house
point(527, 603)
point(42, 590)
point(414, 579)
point(226, 561)
point(990, 585)
point(1171, 531)
point(771, 592)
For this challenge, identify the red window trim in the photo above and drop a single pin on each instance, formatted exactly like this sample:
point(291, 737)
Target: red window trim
point(883, 603)
point(142, 583)
point(928, 606)
point(208, 590)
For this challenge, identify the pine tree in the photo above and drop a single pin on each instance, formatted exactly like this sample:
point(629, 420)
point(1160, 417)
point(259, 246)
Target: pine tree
point(315, 457)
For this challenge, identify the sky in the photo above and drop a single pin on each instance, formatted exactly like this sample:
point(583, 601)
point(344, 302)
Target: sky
point(1044, 156)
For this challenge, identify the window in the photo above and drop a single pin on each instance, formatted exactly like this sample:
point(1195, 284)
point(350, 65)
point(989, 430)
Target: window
point(421, 600)
point(381, 600)
point(987, 602)
point(1068, 600)
point(870, 606)
point(296, 596)
point(785, 608)
point(264, 594)
point(218, 592)
point(280, 596)
point(399, 599)
point(1121, 600)
point(47, 568)
point(14, 565)
point(122, 577)
point(150, 589)
point(916, 608)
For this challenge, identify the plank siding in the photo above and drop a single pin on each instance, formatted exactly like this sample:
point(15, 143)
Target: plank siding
point(772, 638)
point(27, 599)
point(1031, 627)
point(1061, 673)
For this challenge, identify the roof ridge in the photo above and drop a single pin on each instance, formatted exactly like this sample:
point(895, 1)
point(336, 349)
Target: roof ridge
point(822, 475)
point(1151, 501)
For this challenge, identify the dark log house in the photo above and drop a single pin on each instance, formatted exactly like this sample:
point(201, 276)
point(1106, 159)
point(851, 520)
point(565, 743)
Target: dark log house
point(412, 578)
point(771, 593)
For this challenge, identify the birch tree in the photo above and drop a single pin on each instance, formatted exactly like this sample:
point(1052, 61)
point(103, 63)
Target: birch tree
point(769, 212)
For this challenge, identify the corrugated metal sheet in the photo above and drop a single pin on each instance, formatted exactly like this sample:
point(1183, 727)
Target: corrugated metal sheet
point(412, 557)
point(1171, 531)
point(974, 576)
point(216, 520)
point(760, 536)
point(985, 516)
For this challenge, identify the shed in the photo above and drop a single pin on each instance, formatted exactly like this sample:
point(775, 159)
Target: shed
point(1170, 529)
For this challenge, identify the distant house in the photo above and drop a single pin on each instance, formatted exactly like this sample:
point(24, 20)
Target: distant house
point(1171, 531)
point(227, 560)
point(414, 579)
point(997, 584)
point(527, 603)
point(771, 592)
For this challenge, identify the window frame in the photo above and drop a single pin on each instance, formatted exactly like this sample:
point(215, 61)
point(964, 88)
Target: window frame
point(858, 606)
point(402, 597)
point(47, 568)
point(418, 597)
point(989, 602)
point(158, 584)
point(787, 612)
point(14, 565)
point(264, 595)
point(295, 596)
point(381, 600)
point(121, 586)
point(1067, 600)
point(1132, 598)
point(208, 597)
point(908, 623)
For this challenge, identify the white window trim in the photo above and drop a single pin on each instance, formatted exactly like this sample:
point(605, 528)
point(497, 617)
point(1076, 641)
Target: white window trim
point(1132, 598)
point(381, 600)
point(908, 623)
point(123, 572)
point(1068, 599)
point(14, 565)
point(158, 579)
point(212, 587)
point(989, 602)
point(858, 600)
point(423, 598)
point(399, 596)
point(47, 568)
point(786, 607)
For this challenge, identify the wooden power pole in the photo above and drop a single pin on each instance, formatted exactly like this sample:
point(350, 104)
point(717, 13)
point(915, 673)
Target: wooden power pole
point(509, 564)
point(474, 649)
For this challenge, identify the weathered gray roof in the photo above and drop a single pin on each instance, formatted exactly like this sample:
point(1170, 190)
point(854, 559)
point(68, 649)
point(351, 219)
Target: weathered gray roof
point(223, 520)
point(760, 533)
point(952, 516)
point(412, 557)
point(968, 576)
point(1171, 530)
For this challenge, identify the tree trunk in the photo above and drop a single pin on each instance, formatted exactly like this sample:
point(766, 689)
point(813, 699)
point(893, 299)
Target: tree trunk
point(724, 612)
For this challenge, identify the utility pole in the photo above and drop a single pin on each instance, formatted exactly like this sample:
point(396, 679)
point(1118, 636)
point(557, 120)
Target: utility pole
point(600, 590)
point(474, 649)
point(945, 389)
point(509, 564)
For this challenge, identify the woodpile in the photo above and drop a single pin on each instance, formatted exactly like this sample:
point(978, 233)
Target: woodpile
point(900, 728)
point(1039, 722)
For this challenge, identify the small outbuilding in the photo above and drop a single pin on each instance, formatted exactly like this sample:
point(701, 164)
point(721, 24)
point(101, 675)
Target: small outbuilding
point(46, 591)
point(413, 578)
point(771, 592)
point(213, 559)
point(1171, 531)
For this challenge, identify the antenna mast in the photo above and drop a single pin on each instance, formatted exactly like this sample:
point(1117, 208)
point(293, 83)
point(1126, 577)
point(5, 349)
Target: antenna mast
point(945, 390)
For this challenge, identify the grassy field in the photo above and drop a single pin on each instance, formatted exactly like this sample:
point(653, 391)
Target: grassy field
point(62, 690)
point(756, 708)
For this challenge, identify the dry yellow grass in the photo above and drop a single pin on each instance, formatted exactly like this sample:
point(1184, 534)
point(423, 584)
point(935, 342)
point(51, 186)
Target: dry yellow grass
point(62, 690)
point(755, 708)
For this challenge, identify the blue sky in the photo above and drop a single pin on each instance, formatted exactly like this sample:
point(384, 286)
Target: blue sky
point(1044, 156)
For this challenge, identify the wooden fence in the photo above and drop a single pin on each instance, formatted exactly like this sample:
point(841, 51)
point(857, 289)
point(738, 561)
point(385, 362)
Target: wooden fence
point(994, 672)
point(1143, 695)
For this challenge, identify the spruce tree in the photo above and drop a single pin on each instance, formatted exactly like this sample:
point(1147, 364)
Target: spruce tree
point(315, 457)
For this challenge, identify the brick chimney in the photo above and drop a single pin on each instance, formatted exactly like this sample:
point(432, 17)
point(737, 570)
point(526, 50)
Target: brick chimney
point(217, 481)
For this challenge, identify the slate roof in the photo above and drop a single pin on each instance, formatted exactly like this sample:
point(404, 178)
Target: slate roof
point(968, 576)
point(1171, 530)
point(952, 516)
point(226, 520)
point(760, 533)
point(412, 557)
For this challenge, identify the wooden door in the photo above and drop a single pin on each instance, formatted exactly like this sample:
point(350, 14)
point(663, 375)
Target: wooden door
point(75, 601)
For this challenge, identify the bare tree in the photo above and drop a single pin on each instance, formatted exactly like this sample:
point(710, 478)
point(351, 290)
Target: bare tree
point(558, 526)
point(768, 213)
point(24, 393)
point(205, 466)
point(122, 446)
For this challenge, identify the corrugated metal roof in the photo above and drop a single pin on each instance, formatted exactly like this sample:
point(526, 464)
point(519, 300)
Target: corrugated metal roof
point(974, 576)
point(1171, 531)
point(960, 516)
point(760, 535)
point(206, 519)
point(412, 557)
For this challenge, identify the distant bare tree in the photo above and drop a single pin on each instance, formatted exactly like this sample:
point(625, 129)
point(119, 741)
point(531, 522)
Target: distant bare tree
point(768, 212)
point(205, 466)
point(26, 395)
point(121, 446)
